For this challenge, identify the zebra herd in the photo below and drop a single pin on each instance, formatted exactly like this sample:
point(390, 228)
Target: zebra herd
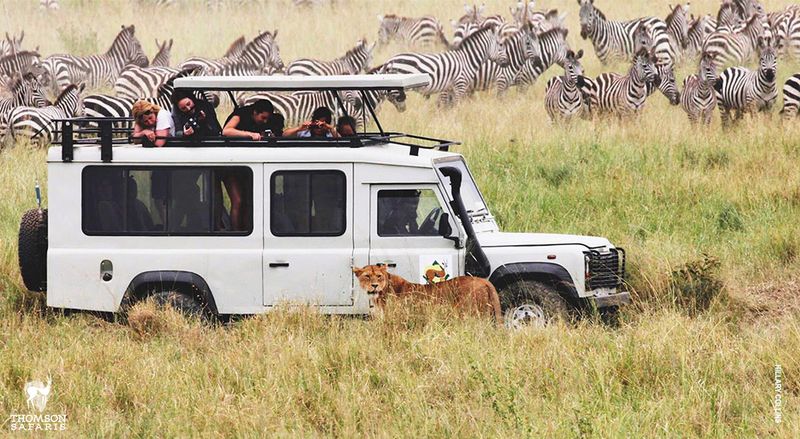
point(484, 52)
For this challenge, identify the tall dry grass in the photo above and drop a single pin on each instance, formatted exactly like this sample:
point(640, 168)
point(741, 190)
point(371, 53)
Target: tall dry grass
point(708, 218)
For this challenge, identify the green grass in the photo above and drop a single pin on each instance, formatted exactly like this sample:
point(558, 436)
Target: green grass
point(708, 218)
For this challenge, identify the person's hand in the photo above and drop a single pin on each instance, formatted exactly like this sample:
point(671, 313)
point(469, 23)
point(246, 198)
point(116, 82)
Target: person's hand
point(255, 136)
point(329, 128)
point(307, 124)
point(188, 131)
point(151, 136)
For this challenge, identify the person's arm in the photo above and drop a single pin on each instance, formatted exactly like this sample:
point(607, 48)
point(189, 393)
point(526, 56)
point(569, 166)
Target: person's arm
point(161, 133)
point(139, 132)
point(332, 129)
point(231, 131)
point(291, 132)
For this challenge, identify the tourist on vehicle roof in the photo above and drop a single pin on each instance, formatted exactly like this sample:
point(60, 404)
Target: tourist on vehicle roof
point(152, 124)
point(318, 126)
point(193, 117)
point(251, 121)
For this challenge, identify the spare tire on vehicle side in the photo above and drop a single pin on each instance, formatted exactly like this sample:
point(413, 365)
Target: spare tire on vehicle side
point(33, 249)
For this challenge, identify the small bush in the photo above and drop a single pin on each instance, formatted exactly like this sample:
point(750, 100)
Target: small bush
point(556, 175)
point(696, 284)
point(729, 218)
point(785, 247)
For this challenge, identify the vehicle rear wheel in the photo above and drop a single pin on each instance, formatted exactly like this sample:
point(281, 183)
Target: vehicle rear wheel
point(32, 249)
point(183, 303)
point(529, 303)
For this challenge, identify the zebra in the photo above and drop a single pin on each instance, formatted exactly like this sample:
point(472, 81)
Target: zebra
point(297, 107)
point(262, 51)
point(791, 97)
point(622, 95)
point(25, 91)
point(698, 98)
point(785, 26)
point(734, 47)
point(11, 44)
point(97, 69)
point(615, 38)
point(163, 55)
point(353, 62)
point(461, 31)
point(563, 98)
point(520, 47)
point(526, 15)
point(745, 91)
point(666, 83)
point(234, 51)
point(48, 5)
point(425, 31)
point(451, 72)
point(37, 123)
point(678, 28)
point(20, 62)
point(699, 29)
point(551, 48)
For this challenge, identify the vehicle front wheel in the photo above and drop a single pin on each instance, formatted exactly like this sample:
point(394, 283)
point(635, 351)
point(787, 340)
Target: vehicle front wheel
point(32, 249)
point(529, 303)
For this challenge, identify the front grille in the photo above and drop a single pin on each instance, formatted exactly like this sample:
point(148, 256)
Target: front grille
point(605, 270)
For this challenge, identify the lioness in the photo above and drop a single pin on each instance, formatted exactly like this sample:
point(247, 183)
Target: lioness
point(470, 294)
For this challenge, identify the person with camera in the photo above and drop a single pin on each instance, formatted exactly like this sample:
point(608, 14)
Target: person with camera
point(151, 124)
point(193, 117)
point(256, 121)
point(318, 126)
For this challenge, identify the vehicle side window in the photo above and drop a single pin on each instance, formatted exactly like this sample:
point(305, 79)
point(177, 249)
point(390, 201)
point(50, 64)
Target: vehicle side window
point(165, 200)
point(308, 203)
point(408, 212)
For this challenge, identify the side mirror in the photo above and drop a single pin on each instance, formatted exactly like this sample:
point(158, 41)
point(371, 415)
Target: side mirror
point(446, 230)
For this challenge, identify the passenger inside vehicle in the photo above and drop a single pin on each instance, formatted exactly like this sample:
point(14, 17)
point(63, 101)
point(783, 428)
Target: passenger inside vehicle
point(250, 121)
point(139, 217)
point(152, 124)
point(192, 117)
point(346, 126)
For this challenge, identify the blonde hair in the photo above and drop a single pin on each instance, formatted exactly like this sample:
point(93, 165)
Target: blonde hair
point(141, 107)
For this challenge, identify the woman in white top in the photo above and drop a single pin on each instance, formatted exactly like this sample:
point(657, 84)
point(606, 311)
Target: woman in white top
point(152, 124)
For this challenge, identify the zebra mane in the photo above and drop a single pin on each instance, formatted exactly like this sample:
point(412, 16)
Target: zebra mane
point(125, 31)
point(236, 47)
point(21, 54)
point(361, 44)
point(475, 35)
point(599, 13)
point(556, 30)
point(64, 93)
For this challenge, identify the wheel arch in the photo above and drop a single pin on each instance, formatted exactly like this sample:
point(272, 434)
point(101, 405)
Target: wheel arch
point(185, 282)
point(545, 272)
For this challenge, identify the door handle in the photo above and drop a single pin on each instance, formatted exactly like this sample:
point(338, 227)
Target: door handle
point(278, 264)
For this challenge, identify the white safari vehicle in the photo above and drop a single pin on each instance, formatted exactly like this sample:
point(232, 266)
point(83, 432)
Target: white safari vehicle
point(126, 222)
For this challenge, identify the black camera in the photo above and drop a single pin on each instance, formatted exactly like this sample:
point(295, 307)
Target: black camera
point(192, 123)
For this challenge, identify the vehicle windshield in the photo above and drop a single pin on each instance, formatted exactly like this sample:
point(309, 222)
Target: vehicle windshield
point(473, 201)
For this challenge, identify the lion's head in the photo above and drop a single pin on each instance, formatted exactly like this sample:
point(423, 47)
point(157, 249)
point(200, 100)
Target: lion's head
point(372, 278)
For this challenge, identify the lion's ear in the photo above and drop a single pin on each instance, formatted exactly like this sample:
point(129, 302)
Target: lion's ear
point(357, 270)
point(384, 268)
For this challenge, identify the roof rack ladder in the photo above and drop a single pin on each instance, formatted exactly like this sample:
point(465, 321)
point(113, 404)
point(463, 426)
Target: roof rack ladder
point(66, 141)
point(106, 140)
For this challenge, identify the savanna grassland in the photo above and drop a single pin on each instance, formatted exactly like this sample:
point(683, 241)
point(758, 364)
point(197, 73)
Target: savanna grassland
point(709, 219)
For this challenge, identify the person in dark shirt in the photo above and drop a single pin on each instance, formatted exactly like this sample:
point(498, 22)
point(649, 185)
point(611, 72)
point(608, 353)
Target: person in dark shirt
point(193, 117)
point(251, 121)
point(346, 126)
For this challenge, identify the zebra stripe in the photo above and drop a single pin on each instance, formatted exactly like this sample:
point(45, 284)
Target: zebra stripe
point(698, 99)
point(613, 39)
point(699, 29)
point(666, 83)
point(745, 91)
point(538, 21)
point(25, 91)
point(262, 51)
point(791, 97)
point(353, 62)
point(97, 70)
point(563, 100)
point(11, 44)
point(550, 48)
point(452, 71)
point(298, 106)
point(19, 62)
point(37, 123)
point(520, 47)
point(622, 95)
point(734, 48)
point(424, 31)
point(678, 28)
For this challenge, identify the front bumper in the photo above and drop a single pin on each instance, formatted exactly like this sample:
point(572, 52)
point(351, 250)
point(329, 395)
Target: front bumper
point(616, 299)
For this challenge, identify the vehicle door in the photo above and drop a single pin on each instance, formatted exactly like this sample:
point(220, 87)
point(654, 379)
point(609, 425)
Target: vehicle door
point(308, 237)
point(406, 228)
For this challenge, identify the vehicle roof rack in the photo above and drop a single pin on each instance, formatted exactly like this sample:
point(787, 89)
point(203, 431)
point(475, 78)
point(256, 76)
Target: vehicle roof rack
point(108, 132)
point(304, 83)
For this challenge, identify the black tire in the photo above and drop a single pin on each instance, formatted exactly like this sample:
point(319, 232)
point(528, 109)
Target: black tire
point(183, 303)
point(33, 249)
point(531, 302)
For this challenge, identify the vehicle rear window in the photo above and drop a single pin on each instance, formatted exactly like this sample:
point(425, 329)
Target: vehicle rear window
point(156, 201)
point(308, 203)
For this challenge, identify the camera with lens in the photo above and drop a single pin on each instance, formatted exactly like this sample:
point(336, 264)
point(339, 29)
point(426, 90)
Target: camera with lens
point(192, 123)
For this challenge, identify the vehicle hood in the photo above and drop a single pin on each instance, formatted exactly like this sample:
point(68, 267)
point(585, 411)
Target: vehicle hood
point(503, 239)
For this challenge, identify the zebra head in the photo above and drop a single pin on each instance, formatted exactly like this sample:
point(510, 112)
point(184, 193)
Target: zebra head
point(768, 61)
point(642, 38)
point(126, 48)
point(572, 66)
point(643, 69)
point(589, 17)
point(461, 31)
point(263, 50)
point(472, 14)
point(678, 23)
point(708, 70)
point(70, 100)
point(667, 84)
point(389, 25)
point(162, 57)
